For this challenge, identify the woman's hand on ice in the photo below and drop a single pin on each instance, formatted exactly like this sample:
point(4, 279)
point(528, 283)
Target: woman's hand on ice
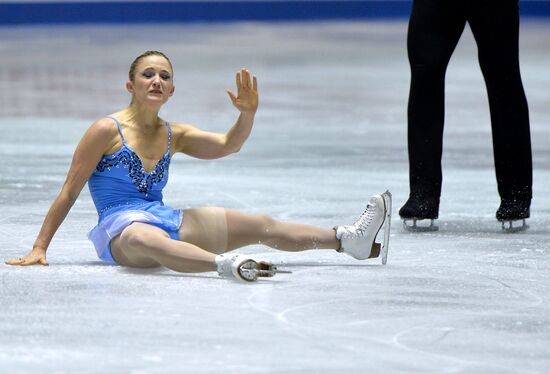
point(36, 256)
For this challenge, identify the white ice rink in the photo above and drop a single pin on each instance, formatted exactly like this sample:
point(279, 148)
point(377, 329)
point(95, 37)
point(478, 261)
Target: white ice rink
point(330, 131)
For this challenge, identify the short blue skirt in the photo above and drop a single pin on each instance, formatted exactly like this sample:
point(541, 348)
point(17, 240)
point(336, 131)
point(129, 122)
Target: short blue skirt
point(115, 220)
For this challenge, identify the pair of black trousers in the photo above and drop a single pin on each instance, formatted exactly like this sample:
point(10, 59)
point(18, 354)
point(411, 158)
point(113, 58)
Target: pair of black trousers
point(435, 26)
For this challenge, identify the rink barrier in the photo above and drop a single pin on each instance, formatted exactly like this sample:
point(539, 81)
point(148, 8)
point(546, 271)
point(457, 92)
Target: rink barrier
point(71, 12)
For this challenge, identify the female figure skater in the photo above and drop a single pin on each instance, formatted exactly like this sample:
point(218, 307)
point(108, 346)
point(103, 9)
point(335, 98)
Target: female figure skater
point(125, 159)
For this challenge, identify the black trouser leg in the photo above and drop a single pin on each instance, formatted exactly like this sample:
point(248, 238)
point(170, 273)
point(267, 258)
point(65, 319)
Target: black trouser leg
point(435, 27)
point(495, 25)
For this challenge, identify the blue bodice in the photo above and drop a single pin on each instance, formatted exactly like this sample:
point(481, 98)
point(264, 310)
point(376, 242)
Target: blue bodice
point(120, 179)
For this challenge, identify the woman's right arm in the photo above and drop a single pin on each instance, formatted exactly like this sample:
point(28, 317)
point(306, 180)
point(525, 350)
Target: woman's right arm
point(97, 140)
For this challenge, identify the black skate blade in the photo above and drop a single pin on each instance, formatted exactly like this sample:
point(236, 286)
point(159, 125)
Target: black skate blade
point(411, 224)
point(508, 226)
point(387, 227)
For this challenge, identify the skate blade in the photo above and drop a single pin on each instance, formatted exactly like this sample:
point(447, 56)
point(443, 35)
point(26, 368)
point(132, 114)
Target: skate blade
point(387, 227)
point(508, 226)
point(272, 272)
point(411, 224)
point(250, 271)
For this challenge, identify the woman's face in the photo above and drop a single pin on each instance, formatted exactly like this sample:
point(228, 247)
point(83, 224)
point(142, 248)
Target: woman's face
point(152, 85)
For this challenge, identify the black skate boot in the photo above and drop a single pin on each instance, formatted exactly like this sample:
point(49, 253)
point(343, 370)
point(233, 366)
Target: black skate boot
point(420, 209)
point(513, 213)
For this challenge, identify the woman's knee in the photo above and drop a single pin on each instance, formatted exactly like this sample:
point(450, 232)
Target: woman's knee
point(138, 235)
point(132, 247)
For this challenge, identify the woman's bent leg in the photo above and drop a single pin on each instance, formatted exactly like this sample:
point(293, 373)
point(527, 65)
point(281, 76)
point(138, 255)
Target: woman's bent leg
point(144, 245)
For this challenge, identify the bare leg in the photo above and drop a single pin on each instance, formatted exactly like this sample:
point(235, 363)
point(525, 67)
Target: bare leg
point(144, 245)
point(245, 229)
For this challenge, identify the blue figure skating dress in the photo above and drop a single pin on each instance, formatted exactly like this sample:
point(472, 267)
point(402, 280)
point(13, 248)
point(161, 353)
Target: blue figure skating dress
point(123, 193)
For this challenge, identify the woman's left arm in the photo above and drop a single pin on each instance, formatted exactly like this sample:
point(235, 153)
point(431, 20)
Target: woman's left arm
point(209, 145)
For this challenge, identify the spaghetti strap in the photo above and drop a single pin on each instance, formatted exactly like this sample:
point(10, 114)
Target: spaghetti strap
point(120, 130)
point(169, 134)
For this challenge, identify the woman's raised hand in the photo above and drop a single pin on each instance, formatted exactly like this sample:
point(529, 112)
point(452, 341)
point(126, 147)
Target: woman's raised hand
point(246, 100)
point(36, 256)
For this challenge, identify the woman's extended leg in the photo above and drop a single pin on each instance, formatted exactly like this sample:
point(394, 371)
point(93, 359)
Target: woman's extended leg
point(246, 229)
point(143, 245)
point(219, 230)
point(356, 240)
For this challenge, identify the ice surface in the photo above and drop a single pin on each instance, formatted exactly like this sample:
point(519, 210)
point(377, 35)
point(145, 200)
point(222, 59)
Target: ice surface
point(331, 131)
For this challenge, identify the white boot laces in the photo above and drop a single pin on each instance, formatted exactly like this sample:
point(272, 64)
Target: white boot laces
point(365, 219)
point(358, 229)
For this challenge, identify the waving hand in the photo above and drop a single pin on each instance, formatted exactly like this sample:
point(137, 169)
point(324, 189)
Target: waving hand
point(246, 100)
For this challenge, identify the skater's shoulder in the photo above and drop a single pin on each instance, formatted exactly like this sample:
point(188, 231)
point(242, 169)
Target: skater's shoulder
point(104, 126)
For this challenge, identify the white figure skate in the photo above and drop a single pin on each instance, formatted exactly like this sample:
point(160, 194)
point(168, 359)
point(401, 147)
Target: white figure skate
point(244, 268)
point(358, 240)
